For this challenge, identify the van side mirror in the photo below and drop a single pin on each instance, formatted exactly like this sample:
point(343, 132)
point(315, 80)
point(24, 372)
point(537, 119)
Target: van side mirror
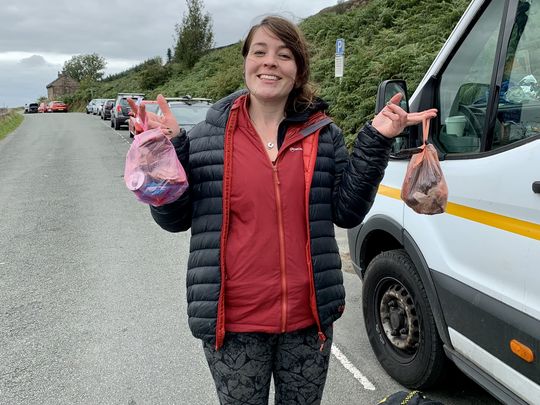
point(387, 89)
point(401, 147)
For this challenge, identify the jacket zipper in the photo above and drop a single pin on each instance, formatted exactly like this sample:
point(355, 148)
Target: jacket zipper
point(313, 298)
point(227, 164)
point(281, 235)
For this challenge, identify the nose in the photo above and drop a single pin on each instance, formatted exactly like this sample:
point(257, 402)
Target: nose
point(270, 60)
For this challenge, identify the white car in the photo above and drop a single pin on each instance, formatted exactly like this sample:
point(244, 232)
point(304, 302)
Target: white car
point(98, 106)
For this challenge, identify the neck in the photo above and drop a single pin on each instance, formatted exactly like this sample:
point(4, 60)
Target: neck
point(266, 113)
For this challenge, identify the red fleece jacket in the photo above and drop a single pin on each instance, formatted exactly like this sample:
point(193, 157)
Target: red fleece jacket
point(267, 276)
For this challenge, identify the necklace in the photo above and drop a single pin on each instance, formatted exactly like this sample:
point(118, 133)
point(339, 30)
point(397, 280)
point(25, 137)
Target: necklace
point(269, 144)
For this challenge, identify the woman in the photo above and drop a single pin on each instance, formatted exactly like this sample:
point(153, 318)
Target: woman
point(269, 177)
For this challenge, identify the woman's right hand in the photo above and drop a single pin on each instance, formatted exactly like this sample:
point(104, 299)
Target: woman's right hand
point(167, 122)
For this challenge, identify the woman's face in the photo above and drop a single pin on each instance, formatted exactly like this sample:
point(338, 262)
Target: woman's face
point(270, 68)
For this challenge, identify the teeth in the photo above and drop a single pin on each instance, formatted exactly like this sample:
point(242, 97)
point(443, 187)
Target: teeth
point(269, 77)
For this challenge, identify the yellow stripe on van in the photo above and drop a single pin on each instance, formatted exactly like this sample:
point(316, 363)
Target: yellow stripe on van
point(509, 224)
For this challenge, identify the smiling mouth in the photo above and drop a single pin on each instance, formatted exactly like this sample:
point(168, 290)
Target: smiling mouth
point(269, 77)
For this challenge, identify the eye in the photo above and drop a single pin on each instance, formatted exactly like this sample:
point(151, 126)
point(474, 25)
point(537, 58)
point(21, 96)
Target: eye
point(285, 56)
point(258, 52)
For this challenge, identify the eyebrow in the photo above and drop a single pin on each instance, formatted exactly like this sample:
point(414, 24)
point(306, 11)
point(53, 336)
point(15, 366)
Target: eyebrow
point(265, 44)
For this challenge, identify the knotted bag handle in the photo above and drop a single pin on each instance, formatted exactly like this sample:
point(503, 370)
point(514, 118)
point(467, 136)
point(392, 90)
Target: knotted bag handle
point(425, 130)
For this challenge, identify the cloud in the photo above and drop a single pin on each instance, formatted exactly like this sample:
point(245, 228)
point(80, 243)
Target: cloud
point(37, 37)
point(34, 60)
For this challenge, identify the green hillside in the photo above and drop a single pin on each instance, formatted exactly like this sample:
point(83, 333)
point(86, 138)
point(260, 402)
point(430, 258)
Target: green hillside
point(384, 39)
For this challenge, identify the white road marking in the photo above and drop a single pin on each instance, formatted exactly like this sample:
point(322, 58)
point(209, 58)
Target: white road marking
point(352, 369)
point(117, 132)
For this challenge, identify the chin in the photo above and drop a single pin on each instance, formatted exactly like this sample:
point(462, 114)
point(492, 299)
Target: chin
point(268, 96)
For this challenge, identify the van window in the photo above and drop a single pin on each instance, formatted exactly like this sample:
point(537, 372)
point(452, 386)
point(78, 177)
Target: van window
point(518, 115)
point(465, 85)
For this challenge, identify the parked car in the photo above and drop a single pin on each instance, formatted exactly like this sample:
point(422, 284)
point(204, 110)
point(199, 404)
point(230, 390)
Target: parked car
point(98, 105)
point(31, 108)
point(42, 108)
point(188, 111)
point(90, 106)
point(108, 105)
point(463, 286)
point(134, 123)
point(121, 110)
point(57, 106)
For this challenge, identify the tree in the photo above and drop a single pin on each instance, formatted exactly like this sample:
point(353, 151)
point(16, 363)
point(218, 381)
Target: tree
point(81, 67)
point(169, 55)
point(194, 34)
point(154, 74)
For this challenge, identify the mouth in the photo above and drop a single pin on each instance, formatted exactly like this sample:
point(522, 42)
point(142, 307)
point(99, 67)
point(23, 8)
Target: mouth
point(269, 77)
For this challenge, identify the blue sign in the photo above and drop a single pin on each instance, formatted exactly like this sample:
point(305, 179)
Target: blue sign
point(340, 46)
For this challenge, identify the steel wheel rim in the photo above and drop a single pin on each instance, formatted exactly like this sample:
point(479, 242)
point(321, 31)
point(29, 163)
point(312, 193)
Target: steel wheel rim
point(397, 318)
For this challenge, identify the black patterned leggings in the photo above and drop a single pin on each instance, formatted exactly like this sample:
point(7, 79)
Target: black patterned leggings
point(243, 367)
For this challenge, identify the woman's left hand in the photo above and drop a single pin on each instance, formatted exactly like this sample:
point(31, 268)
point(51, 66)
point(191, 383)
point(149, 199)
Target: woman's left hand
point(392, 119)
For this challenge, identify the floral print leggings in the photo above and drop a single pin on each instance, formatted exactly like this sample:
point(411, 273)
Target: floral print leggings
point(243, 367)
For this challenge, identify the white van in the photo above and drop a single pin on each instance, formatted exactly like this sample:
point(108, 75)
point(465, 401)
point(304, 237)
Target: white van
point(465, 285)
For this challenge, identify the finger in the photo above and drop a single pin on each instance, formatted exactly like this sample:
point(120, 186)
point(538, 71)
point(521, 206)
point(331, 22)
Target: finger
point(151, 124)
point(168, 132)
point(164, 106)
point(133, 105)
point(153, 116)
point(430, 112)
point(142, 116)
point(419, 117)
point(391, 115)
point(397, 110)
point(395, 99)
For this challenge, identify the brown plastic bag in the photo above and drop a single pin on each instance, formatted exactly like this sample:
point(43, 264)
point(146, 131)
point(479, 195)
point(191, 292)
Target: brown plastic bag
point(424, 187)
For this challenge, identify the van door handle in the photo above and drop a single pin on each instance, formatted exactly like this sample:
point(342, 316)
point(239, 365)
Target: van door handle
point(536, 187)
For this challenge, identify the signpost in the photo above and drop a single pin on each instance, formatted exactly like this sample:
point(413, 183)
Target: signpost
point(340, 58)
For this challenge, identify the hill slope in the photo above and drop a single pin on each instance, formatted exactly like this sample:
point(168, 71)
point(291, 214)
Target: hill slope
point(384, 39)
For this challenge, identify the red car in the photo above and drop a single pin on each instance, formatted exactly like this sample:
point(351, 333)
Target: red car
point(134, 124)
point(57, 106)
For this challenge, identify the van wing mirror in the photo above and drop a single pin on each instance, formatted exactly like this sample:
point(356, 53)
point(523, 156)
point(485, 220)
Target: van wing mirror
point(387, 89)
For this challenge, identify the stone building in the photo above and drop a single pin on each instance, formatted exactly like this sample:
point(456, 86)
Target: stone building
point(61, 86)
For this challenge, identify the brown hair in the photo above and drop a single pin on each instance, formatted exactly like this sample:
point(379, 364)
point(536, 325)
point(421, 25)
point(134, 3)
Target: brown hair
point(302, 95)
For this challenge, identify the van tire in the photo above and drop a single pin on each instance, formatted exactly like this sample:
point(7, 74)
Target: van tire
point(399, 321)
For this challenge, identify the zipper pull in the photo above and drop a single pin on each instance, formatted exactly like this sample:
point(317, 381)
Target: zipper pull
point(322, 339)
point(274, 167)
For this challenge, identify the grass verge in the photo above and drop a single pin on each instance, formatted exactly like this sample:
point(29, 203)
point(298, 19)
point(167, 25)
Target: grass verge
point(9, 123)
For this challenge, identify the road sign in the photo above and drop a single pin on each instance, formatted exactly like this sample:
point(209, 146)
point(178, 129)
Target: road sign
point(340, 47)
point(339, 62)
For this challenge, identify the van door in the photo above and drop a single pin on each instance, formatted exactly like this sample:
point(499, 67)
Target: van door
point(485, 251)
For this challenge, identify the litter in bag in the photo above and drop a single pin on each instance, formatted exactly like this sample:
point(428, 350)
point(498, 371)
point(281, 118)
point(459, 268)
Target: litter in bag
point(424, 187)
point(153, 171)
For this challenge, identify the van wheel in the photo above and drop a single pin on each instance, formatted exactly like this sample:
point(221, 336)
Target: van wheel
point(399, 321)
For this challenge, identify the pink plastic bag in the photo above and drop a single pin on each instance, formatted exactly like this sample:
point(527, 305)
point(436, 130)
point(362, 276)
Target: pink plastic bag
point(153, 171)
point(424, 187)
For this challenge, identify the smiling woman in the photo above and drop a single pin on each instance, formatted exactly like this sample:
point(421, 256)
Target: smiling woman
point(269, 176)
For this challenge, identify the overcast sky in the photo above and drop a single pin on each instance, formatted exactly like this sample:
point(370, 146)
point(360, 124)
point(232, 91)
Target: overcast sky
point(38, 36)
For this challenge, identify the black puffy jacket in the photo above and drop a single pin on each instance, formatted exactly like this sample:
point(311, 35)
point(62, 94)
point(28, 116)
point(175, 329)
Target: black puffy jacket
point(342, 191)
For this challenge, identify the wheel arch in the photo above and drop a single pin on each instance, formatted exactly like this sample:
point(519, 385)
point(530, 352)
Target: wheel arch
point(382, 233)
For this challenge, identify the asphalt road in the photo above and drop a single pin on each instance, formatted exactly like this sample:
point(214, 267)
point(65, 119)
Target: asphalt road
point(92, 291)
